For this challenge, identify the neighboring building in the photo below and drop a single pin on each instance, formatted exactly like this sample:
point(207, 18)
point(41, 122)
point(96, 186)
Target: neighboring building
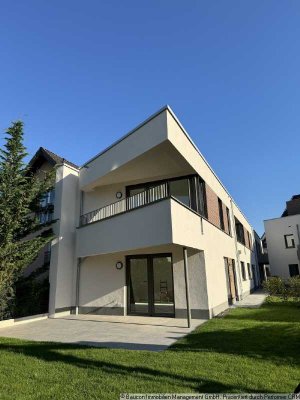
point(262, 258)
point(282, 240)
point(145, 225)
point(41, 163)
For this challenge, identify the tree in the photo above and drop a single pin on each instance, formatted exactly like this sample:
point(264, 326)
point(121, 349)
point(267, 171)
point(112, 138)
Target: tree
point(21, 237)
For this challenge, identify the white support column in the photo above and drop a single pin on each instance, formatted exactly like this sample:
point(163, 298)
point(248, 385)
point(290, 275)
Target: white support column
point(187, 287)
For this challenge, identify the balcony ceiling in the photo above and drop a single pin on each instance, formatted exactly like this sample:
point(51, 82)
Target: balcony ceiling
point(160, 162)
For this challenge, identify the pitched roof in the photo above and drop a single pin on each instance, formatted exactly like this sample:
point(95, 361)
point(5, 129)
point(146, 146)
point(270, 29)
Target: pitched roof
point(46, 155)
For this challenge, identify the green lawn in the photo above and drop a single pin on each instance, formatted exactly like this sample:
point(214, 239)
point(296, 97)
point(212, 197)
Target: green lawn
point(249, 350)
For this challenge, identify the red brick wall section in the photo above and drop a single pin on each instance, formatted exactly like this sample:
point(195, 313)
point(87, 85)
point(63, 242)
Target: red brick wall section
point(212, 207)
point(225, 219)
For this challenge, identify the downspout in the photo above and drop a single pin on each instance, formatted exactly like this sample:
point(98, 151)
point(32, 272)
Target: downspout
point(79, 261)
point(238, 269)
point(257, 280)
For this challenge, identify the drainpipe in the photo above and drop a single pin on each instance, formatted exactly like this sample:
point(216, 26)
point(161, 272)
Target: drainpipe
point(238, 269)
point(187, 288)
point(79, 261)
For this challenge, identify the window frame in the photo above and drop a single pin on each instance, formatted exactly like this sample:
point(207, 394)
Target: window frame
point(221, 214)
point(297, 267)
point(243, 269)
point(249, 271)
point(240, 233)
point(286, 242)
point(228, 221)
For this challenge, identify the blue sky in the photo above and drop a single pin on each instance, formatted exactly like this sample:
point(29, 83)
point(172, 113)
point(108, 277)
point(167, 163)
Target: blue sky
point(82, 73)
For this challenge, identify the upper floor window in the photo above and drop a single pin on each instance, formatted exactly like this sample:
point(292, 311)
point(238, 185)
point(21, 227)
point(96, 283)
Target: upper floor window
point(243, 271)
point(45, 217)
point(240, 234)
point(249, 271)
point(47, 199)
point(180, 190)
point(202, 204)
point(221, 216)
point(249, 239)
point(289, 241)
point(228, 221)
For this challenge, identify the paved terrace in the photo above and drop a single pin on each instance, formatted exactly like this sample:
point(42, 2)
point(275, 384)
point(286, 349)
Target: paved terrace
point(133, 333)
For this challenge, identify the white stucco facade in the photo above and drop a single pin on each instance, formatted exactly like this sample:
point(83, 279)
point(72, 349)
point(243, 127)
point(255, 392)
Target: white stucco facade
point(281, 256)
point(96, 230)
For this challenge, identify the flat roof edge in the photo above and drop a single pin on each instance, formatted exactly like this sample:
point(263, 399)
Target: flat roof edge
point(164, 108)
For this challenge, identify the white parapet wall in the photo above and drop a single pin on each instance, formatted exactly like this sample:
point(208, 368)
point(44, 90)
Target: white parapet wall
point(25, 320)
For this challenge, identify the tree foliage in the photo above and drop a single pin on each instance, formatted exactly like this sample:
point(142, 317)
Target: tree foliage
point(21, 237)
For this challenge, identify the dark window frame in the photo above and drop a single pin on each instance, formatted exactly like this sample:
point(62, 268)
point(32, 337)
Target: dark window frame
point(150, 258)
point(297, 270)
point(249, 271)
point(240, 233)
point(221, 214)
point(243, 269)
point(286, 242)
point(228, 221)
point(197, 191)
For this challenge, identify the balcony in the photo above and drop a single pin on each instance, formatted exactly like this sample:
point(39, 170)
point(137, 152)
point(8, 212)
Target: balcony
point(150, 218)
point(142, 199)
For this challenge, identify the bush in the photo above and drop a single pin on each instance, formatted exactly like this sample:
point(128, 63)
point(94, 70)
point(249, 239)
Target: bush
point(279, 287)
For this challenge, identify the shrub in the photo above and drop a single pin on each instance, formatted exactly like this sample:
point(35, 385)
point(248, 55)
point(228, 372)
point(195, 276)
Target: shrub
point(279, 287)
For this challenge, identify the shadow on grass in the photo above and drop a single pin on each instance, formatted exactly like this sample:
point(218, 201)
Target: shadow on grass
point(272, 312)
point(273, 342)
point(50, 352)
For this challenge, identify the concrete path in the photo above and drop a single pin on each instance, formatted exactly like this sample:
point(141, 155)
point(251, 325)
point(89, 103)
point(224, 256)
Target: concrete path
point(254, 300)
point(134, 333)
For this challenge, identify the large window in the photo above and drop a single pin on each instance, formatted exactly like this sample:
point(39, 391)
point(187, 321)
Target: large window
point(180, 189)
point(221, 216)
point(294, 270)
point(239, 231)
point(189, 190)
point(289, 241)
point(243, 271)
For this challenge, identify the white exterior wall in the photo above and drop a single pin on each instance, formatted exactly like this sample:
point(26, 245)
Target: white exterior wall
point(63, 260)
point(103, 287)
point(279, 256)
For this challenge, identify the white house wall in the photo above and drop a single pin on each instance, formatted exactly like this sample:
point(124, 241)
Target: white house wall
point(63, 258)
point(279, 256)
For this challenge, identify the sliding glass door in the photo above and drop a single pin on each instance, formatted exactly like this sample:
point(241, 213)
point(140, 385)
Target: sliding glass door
point(150, 285)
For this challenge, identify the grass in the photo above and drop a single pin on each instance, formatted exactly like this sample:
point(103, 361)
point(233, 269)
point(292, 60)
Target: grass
point(248, 350)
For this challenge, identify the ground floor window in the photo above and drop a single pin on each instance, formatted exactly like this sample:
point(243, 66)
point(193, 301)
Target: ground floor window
point(294, 270)
point(243, 271)
point(150, 286)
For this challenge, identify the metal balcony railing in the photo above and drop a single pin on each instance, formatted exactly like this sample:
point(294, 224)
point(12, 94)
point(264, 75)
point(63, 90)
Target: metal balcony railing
point(149, 196)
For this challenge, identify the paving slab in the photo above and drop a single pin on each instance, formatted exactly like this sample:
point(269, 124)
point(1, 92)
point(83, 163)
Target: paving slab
point(123, 332)
point(254, 300)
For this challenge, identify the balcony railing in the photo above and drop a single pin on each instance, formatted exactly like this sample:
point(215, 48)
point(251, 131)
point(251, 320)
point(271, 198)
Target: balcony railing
point(144, 198)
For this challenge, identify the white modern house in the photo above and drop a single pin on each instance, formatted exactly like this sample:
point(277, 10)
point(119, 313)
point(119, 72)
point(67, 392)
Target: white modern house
point(146, 228)
point(282, 237)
